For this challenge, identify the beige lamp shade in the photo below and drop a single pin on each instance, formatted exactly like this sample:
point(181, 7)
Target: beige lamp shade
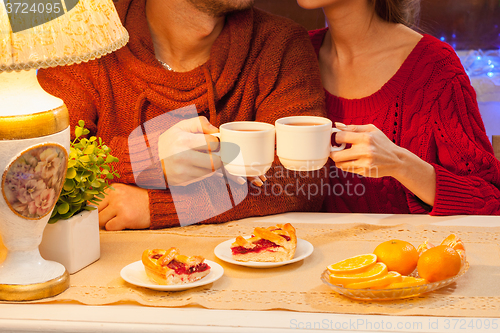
point(48, 33)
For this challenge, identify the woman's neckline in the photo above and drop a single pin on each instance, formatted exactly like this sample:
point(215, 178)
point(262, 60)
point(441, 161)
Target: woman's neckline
point(393, 86)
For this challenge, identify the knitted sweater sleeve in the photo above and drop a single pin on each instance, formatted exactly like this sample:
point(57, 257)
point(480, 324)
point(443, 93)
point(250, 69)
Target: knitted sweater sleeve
point(288, 86)
point(77, 86)
point(467, 172)
point(76, 89)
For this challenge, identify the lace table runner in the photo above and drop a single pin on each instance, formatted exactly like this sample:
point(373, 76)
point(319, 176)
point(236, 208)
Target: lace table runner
point(297, 286)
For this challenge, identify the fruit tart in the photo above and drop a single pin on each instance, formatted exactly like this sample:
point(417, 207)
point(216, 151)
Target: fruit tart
point(272, 244)
point(168, 267)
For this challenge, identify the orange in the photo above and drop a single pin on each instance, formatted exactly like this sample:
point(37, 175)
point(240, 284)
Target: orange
point(373, 272)
point(407, 281)
point(439, 263)
point(354, 264)
point(398, 255)
point(424, 247)
point(382, 281)
point(454, 242)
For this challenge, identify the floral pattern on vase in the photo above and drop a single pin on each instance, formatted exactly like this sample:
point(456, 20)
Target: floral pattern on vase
point(32, 183)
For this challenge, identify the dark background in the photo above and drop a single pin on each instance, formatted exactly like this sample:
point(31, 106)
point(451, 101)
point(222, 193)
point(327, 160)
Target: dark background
point(465, 24)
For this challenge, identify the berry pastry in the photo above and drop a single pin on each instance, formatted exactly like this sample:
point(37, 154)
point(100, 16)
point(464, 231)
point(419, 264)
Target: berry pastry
point(272, 244)
point(168, 267)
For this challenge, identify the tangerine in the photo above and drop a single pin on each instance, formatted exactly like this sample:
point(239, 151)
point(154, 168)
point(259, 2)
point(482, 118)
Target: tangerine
point(424, 247)
point(461, 253)
point(454, 242)
point(439, 263)
point(399, 256)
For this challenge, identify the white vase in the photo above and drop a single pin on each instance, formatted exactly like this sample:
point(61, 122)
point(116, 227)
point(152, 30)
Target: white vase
point(34, 145)
point(73, 242)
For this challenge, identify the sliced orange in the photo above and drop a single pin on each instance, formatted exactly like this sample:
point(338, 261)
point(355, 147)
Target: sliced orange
point(454, 242)
point(407, 281)
point(390, 277)
point(354, 264)
point(377, 270)
point(424, 247)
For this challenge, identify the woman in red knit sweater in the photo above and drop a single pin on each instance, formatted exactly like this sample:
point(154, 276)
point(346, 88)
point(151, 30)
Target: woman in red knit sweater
point(417, 141)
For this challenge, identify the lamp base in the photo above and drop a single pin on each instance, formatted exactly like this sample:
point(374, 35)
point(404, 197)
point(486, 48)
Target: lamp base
point(30, 292)
point(26, 276)
point(32, 169)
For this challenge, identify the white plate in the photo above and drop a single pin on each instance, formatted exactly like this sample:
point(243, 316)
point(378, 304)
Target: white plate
point(135, 273)
point(223, 252)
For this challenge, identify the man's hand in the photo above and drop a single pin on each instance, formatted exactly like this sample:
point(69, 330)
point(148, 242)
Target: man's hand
point(185, 157)
point(182, 149)
point(125, 207)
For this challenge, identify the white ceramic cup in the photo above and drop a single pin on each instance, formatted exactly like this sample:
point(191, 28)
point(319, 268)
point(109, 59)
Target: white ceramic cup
point(303, 143)
point(253, 143)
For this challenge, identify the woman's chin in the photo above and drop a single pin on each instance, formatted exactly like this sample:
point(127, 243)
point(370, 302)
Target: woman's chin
point(314, 4)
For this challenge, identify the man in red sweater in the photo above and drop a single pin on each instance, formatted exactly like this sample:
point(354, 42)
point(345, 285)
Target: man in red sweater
point(232, 62)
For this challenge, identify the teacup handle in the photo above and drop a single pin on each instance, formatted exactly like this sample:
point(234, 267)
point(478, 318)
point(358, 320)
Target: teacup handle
point(339, 148)
point(217, 135)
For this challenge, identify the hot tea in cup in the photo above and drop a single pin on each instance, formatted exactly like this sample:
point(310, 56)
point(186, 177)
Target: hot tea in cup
point(255, 144)
point(303, 143)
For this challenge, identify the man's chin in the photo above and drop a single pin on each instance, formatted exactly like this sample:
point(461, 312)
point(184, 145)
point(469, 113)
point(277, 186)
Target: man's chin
point(219, 8)
point(241, 9)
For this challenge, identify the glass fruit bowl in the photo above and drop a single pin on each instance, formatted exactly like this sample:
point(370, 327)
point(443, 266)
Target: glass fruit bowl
point(391, 294)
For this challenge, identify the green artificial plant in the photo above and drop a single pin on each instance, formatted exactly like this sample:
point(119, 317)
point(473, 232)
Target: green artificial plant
point(87, 177)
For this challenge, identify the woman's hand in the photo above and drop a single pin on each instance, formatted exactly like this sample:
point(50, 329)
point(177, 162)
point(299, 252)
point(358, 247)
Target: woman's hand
point(372, 154)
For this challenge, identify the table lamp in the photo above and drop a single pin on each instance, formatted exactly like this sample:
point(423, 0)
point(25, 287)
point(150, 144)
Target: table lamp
point(34, 127)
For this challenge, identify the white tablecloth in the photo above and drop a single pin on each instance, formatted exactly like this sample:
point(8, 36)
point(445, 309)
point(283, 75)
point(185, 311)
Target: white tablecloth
point(73, 317)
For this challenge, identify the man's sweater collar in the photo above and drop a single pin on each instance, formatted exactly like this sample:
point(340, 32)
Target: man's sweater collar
point(227, 58)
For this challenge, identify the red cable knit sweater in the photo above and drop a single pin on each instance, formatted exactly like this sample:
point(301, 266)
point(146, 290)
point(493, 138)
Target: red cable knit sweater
point(261, 67)
point(429, 108)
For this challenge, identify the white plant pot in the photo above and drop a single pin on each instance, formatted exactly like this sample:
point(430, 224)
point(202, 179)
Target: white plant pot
point(73, 242)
